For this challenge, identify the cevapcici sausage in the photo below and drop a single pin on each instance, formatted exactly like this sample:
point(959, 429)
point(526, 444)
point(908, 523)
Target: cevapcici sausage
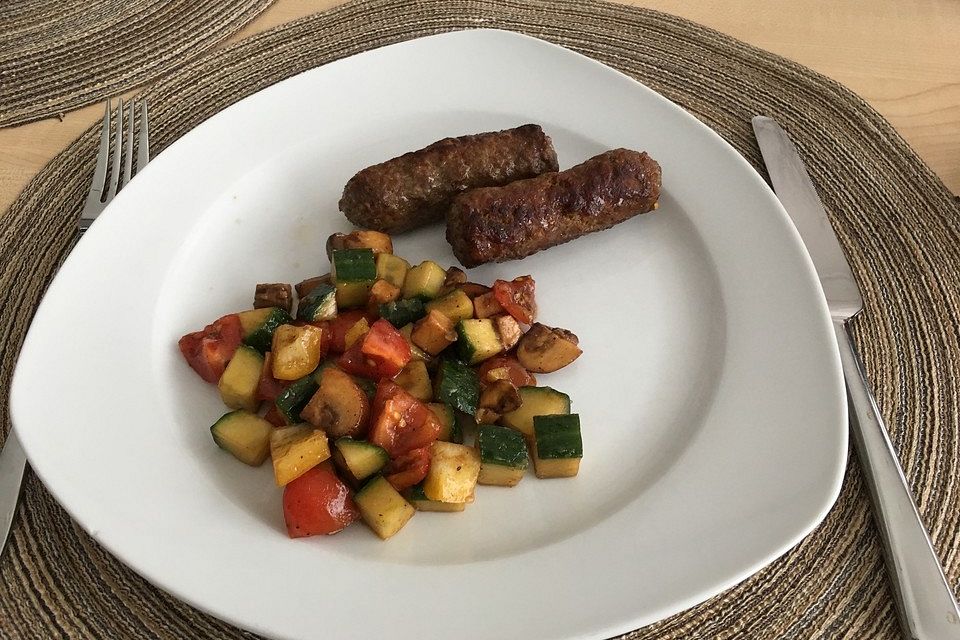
point(417, 187)
point(509, 222)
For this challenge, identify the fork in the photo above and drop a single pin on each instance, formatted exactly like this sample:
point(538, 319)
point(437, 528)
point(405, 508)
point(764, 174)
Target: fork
point(12, 458)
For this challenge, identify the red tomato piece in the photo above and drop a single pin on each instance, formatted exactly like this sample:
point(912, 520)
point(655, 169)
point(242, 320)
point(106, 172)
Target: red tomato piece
point(408, 469)
point(274, 417)
point(387, 348)
point(339, 326)
point(517, 297)
point(318, 502)
point(515, 371)
point(268, 388)
point(401, 423)
point(356, 364)
point(208, 351)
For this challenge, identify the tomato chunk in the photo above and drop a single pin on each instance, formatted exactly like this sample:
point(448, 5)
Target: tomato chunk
point(408, 469)
point(505, 368)
point(517, 297)
point(382, 353)
point(274, 417)
point(318, 502)
point(268, 388)
point(401, 423)
point(208, 351)
point(338, 328)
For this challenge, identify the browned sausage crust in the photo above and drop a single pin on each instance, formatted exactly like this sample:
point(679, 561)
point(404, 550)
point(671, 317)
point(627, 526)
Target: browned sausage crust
point(417, 187)
point(497, 224)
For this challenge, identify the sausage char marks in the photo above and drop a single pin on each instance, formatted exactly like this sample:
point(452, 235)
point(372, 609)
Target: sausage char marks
point(509, 222)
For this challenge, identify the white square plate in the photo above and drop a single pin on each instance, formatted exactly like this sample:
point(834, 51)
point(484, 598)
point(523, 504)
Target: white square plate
point(710, 392)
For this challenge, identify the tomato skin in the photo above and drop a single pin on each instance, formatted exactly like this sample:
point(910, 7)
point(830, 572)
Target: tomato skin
point(518, 297)
point(516, 373)
point(382, 353)
point(268, 388)
point(338, 328)
point(400, 422)
point(408, 469)
point(318, 502)
point(208, 351)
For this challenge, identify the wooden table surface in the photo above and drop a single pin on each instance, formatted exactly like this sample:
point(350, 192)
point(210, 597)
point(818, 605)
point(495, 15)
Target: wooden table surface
point(901, 57)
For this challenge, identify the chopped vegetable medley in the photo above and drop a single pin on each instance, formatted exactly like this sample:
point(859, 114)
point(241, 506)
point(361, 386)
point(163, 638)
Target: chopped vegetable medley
point(362, 387)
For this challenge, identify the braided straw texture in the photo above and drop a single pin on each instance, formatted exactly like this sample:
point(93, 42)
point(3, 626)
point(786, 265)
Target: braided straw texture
point(58, 55)
point(897, 221)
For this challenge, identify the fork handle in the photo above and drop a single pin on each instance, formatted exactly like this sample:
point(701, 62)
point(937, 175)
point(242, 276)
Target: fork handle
point(925, 601)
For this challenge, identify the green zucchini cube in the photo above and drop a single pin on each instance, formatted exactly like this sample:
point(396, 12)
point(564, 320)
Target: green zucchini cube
point(295, 397)
point(354, 265)
point(503, 456)
point(260, 336)
point(319, 304)
point(402, 312)
point(557, 446)
point(535, 401)
point(477, 340)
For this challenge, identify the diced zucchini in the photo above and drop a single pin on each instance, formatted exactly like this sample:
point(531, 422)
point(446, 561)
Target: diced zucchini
point(557, 446)
point(294, 398)
point(415, 379)
point(457, 384)
point(295, 450)
point(382, 508)
point(454, 469)
point(392, 268)
point(477, 340)
point(536, 401)
point(376, 241)
point(434, 333)
point(239, 382)
point(351, 295)
point(354, 265)
point(381, 292)
point(403, 312)
point(424, 281)
point(357, 331)
point(359, 458)
point(421, 502)
point(319, 304)
point(245, 435)
point(503, 456)
point(455, 305)
point(262, 323)
point(450, 430)
point(304, 287)
point(296, 350)
point(544, 349)
point(339, 407)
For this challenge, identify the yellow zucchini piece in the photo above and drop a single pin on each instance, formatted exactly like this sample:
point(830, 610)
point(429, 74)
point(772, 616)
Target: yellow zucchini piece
point(252, 319)
point(420, 502)
point(352, 294)
point(392, 268)
point(382, 508)
point(245, 435)
point(543, 349)
point(456, 305)
point(296, 351)
point(424, 281)
point(535, 401)
point(454, 469)
point(416, 380)
point(477, 340)
point(356, 332)
point(238, 384)
point(295, 450)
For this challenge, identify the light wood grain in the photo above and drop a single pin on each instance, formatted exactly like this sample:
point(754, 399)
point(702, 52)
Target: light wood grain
point(902, 57)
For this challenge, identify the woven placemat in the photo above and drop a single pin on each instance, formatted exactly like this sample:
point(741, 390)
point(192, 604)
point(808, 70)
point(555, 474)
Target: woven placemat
point(58, 55)
point(897, 221)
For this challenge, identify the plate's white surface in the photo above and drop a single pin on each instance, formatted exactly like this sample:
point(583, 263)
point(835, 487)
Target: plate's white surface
point(709, 390)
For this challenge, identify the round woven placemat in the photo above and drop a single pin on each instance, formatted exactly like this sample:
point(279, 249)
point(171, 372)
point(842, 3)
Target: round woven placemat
point(897, 221)
point(58, 55)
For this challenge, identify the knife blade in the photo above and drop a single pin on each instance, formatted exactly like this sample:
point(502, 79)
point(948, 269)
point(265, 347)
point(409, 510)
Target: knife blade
point(925, 602)
point(12, 463)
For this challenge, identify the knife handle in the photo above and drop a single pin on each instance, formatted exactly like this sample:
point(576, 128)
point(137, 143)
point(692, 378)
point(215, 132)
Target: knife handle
point(925, 601)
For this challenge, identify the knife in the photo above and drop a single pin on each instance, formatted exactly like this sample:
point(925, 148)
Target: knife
point(925, 602)
point(12, 463)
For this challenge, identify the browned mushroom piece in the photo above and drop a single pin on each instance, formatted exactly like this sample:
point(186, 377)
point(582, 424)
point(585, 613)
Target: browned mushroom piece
point(308, 285)
point(273, 295)
point(472, 289)
point(339, 407)
point(543, 349)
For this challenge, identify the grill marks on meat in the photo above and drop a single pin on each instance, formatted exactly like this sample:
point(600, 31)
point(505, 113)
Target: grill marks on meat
point(513, 221)
point(416, 188)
